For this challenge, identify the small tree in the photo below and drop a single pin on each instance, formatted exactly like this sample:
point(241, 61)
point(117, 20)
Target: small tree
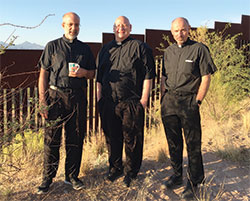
point(231, 83)
point(10, 131)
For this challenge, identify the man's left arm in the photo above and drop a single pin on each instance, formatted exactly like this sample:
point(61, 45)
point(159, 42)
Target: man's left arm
point(145, 92)
point(204, 86)
point(149, 65)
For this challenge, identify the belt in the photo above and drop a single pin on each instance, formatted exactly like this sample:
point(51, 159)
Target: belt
point(62, 90)
point(180, 93)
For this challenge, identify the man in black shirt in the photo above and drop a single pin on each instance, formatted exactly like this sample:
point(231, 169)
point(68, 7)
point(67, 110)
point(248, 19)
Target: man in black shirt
point(65, 65)
point(186, 75)
point(125, 71)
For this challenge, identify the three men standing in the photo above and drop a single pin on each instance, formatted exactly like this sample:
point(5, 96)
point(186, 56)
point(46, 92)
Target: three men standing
point(125, 71)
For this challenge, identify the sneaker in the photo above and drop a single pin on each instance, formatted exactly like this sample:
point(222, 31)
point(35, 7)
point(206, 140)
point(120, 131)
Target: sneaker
point(173, 181)
point(75, 183)
point(44, 187)
point(112, 176)
point(127, 180)
point(189, 192)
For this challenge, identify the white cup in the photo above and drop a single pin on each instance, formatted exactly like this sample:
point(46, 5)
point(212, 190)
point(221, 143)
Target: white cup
point(73, 67)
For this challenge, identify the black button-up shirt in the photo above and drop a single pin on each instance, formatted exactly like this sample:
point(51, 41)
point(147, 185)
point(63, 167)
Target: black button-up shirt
point(56, 57)
point(122, 68)
point(184, 66)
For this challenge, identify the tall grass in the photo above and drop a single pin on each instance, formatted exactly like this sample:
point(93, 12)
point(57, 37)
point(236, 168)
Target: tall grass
point(95, 154)
point(229, 138)
point(19, 163)
point(206, 190)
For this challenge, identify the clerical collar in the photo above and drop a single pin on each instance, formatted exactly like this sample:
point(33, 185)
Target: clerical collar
point(68, 40)
point(184, 44)
point(124, 41)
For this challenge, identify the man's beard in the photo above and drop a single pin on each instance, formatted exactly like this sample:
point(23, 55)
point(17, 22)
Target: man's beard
point(72, 37)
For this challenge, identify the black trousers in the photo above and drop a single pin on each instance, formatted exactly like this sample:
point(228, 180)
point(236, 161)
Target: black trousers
point(68, 110)
point(186, 119)
point(123, 122)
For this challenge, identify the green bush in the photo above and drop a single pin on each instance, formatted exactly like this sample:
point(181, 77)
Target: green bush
point(29, 141)
point(231, 83)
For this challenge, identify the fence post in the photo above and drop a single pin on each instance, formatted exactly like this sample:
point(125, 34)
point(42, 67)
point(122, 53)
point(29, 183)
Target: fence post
point(5, 113)
point(36, 107)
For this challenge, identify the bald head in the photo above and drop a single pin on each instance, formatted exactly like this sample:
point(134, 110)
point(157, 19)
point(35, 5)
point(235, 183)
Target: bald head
point(71, 25)
point(122, 28)
point(122, 18)
point(180, 19)
point(180, 30)
point(70, 15)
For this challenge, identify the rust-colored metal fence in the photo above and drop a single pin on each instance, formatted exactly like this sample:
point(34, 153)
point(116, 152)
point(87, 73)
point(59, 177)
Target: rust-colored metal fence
point(19, 108)
point(19, 75)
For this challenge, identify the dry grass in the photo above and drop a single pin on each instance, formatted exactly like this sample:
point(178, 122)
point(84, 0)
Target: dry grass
point(205, 191)
point(19, 164)
point(162, 156)
point(21, 174)
point(95, 154)
point(230, 139)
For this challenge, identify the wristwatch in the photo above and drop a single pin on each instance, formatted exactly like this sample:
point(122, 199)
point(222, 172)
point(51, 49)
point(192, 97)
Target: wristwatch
point(198, 102)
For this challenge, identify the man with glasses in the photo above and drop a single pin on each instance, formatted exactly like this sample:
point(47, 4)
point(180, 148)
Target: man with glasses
point(125, 71)
point(65, 65)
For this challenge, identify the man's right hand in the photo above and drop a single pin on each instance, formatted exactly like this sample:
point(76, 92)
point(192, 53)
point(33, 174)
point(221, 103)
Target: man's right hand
point(42, 88)
point(43, 108)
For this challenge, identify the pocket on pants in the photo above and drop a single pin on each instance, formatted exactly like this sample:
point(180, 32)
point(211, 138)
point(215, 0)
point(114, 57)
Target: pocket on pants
point(100, 104)
point(193, 103)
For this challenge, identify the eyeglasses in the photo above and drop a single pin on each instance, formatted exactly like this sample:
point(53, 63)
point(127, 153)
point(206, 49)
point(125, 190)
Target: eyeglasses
point(72, 24)
point(121, 25)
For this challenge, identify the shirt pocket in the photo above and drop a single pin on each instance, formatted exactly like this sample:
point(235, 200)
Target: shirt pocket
point(191, 68)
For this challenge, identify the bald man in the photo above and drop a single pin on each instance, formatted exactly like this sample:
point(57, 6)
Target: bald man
point(186, 74)
point(125, 71)
point(65, 65)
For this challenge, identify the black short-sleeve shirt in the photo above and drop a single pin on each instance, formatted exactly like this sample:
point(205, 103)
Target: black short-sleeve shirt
point(122, 68)
point(184, 66)
point(56, 57)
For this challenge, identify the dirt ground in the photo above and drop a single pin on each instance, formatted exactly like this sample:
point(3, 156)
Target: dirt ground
point(229, 178)
point(225, 180)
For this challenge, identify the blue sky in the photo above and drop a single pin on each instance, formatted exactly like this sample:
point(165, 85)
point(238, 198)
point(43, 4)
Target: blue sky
point(98, 16)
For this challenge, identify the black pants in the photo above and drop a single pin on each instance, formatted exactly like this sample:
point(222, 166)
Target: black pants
point(187, 117)
point(68, 110)
point(123, 122)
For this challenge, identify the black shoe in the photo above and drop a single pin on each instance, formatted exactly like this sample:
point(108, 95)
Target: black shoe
point(127, 180)
point(75, 183)
point(44, 187)
point(112, 176)
point(173, 181)
point(189, 192)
